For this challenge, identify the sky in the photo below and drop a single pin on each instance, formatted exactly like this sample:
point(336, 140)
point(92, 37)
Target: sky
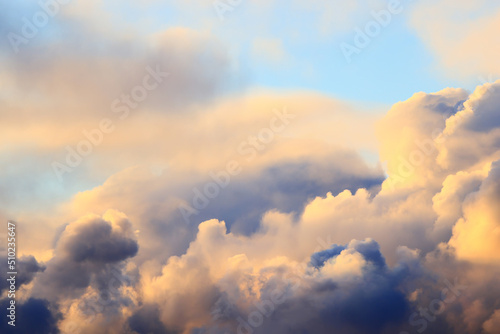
point(236, 166)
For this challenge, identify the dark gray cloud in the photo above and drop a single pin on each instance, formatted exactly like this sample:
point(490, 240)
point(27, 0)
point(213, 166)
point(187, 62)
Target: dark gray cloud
point(95, 242)
point(146, 320)
point(367, 306)
point(26, 267)
point(89, 252)
point(34, 316)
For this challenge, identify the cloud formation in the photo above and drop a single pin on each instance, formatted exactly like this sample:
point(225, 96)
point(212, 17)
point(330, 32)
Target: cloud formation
point(333, 220)
point(84, 254)
point(415, 251)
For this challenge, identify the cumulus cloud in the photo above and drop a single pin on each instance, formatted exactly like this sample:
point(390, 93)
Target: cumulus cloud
point(308, 237)
point(307, 254)
point(87, 277)
point(476, 235)
point(84, 253)
point(351, 290)
point(430, 201)
point(295, 258)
